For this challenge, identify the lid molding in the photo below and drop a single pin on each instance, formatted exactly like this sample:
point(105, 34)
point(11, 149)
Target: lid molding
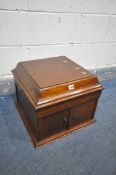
point(31, 81)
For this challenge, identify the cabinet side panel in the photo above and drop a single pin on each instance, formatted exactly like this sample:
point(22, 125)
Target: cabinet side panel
point(27, 107)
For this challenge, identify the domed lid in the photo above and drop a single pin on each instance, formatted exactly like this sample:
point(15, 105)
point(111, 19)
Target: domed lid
point(52, 80)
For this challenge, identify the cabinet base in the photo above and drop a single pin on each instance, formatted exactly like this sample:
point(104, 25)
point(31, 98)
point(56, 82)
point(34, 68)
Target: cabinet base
point(62, 134)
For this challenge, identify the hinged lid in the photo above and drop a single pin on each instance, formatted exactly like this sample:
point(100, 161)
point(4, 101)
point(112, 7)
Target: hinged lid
point(52, 80)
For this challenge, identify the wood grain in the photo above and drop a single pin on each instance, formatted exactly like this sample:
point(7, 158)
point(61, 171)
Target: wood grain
point(55, 97)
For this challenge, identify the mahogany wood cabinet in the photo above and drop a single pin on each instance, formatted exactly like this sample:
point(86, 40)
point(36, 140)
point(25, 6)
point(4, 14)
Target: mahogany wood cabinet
point(55, 97)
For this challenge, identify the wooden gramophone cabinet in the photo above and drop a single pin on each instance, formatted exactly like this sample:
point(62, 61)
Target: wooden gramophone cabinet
point(55, 97)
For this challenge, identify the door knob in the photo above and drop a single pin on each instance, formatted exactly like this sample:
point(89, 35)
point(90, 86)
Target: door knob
point(66, 119)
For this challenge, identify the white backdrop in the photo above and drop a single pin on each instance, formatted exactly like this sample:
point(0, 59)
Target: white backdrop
point(84, 30)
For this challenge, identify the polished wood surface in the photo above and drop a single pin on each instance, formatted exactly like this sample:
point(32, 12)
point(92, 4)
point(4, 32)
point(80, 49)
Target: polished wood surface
point(56, 97)
point(57, 71)
point(54, 137)
point(31, 77)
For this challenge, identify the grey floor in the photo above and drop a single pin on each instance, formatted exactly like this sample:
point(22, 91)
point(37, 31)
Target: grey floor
point(91, 151)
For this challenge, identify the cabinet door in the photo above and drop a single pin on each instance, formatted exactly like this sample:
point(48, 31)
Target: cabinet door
point(82, 113)
point(53, 124)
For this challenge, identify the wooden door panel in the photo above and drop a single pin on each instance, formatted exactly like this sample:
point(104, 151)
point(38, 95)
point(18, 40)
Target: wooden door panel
point(53, 124)
point(82, 113)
